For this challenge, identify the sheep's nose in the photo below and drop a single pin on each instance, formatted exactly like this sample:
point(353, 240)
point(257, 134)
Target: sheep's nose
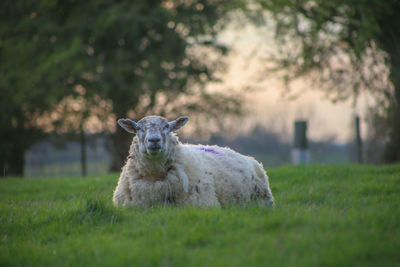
point(154, 140)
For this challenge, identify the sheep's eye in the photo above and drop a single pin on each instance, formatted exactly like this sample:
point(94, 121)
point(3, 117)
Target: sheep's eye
point(166, 127)
point(138, 128)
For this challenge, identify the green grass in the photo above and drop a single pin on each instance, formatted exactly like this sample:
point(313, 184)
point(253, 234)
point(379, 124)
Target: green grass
point(324, 216)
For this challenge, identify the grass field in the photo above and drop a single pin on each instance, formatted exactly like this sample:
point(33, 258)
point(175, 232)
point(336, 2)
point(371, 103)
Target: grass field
point(324, 216)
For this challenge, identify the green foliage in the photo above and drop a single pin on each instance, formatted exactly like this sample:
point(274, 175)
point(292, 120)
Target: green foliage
point(64, 62)
point(325, 215)
point(338, 39)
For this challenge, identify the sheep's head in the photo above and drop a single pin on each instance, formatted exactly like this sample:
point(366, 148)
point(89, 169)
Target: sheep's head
point(152, 132)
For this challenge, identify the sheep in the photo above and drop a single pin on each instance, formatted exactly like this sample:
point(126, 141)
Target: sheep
point(162, 170)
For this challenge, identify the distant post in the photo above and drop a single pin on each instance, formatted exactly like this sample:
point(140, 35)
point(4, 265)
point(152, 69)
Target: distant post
point(300, 151)
point(358, 141)
point(5, 169)
point(83, 151)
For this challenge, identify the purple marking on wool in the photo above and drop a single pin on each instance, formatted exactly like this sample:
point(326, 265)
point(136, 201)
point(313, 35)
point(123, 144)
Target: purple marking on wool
point(209, 149)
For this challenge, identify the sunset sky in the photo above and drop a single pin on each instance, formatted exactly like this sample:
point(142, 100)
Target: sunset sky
point(268, 105)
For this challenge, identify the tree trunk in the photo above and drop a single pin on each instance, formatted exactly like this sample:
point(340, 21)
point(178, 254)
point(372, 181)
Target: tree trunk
point(392, 149)
point(13, 165)
point(121, 141)
point(389, 41)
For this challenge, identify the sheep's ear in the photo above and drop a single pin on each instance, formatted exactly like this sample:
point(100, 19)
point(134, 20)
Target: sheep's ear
point(128, 125)
point(178, 123)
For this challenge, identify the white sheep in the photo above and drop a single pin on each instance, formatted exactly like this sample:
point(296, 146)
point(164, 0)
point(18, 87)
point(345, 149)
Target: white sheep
point(160, 169)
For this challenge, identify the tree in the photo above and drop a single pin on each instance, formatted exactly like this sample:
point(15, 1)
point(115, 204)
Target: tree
point(23, 97)
point(129, 57)
point(344, 47)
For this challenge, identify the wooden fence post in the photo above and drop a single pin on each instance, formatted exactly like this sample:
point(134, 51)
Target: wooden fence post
point(82, 141)
point(300, 151)
point(358, 141)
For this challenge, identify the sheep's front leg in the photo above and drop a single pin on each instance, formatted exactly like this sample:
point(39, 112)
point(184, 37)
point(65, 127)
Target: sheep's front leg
point(122, 192)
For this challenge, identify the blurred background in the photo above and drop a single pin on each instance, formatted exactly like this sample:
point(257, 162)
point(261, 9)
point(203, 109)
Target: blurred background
point(247, 73)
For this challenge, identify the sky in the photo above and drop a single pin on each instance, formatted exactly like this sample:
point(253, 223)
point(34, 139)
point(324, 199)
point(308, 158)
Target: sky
point(267, 104)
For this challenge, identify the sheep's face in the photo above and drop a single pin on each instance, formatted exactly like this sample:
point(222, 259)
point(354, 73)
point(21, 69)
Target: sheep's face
point(152, 132)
